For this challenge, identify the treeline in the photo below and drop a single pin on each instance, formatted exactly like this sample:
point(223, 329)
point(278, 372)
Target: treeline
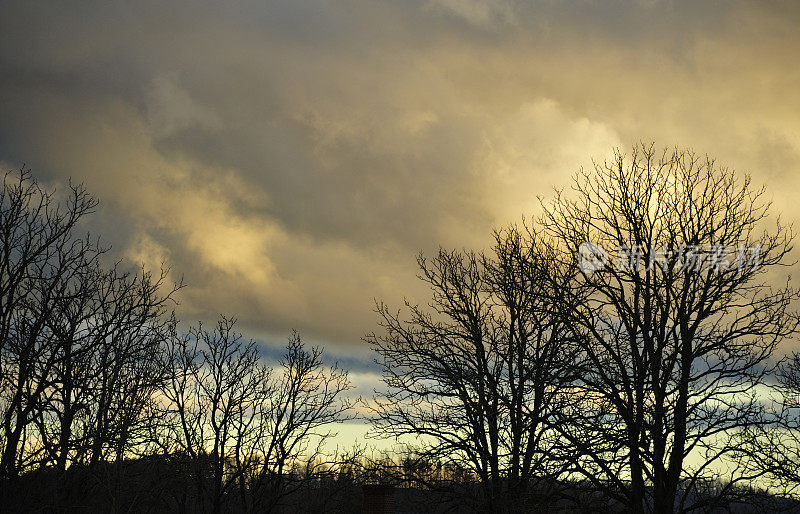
point(625, 351)
point(630, 339)
point(93, 372)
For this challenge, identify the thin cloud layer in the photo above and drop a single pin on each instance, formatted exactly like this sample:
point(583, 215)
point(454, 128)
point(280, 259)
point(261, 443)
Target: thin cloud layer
point(290, 159)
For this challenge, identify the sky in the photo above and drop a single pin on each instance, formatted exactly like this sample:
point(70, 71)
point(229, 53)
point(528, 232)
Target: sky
point(290, 159)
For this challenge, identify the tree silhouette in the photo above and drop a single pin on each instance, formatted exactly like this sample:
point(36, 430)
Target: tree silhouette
point(619, 352)
point(479, 375)
point(245, 427)
point(677, 331)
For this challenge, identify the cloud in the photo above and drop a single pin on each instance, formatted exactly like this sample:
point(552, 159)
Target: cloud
point(170, 107)
point(290, 159)
point(532, 149)
point(481, 13)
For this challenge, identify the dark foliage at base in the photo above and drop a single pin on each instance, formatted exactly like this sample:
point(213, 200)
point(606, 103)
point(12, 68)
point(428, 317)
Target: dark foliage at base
point(153, 485)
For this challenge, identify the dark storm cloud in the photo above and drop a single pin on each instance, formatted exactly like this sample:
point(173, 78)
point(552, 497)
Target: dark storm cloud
point(290, 158)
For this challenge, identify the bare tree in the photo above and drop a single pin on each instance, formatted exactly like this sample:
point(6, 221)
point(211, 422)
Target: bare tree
point(78, 342)
point(135, 324)
point(478, 376)
point(677, 322)
point(774, 449)
point(124, 377)
point(251, 433)
point(306, 400)
point(42, 265)
point(215, 390)
point(109, 332)
point(91, 362)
